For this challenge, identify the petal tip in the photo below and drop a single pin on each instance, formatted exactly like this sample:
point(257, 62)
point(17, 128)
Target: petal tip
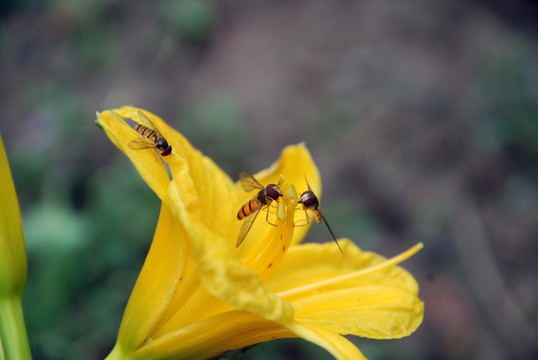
point(98, 121)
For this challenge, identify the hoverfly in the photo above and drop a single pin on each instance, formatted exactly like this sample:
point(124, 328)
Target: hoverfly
point(151, 137)
point(310, 201)
point(252, 208)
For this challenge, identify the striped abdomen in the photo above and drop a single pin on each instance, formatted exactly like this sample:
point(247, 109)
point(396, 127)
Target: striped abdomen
point(154, 136)
point(249, 207)
point(146, 132)
point(317, 214)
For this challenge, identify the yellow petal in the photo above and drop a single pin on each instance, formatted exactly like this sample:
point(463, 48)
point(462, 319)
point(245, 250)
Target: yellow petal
point(310, 263)
point(187, 308)
point(156, 283)
point(338, 346)
point(207, 193)
point(221, 271)
point(375, 312)
point(295, 164)
point(202, 185)
point(147, 162)
point(231, 282)
point(213, 336)
point(379, 304)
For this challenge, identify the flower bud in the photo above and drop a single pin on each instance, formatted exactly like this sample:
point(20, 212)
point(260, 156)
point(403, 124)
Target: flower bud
point(13, 263)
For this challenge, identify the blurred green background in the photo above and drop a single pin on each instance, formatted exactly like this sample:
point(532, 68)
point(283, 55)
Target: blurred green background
point(422, 117)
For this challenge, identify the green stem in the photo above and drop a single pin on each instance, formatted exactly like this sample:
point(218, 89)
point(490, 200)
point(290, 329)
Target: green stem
point(12, 329)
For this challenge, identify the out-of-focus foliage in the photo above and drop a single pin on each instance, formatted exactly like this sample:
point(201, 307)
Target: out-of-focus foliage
point(510, 91)
point(73, 249)
point(191, 19)
point(228, 138)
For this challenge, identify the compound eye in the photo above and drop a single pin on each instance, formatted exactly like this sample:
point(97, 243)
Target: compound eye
point(273, 191)
point(309, 199)
point(167, 151)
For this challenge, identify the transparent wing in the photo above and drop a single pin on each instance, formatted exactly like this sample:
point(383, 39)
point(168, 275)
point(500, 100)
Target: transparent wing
point(141, 143)
point(144, 120)
point(245, 228)
point(248, 182)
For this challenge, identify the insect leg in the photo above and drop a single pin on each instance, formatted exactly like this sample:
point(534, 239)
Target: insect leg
point(268, 206)
point(303, 222)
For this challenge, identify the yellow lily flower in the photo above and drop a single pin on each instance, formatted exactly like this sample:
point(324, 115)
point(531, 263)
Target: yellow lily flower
point(198, 296)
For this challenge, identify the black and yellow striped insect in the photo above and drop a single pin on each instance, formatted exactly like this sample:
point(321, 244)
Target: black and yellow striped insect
point(151, 137)
point(250, 210)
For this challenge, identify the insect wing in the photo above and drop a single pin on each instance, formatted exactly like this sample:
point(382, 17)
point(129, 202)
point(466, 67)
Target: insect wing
point(144, 120)
point(141, 143)
point(245, 228)
point(248, 182)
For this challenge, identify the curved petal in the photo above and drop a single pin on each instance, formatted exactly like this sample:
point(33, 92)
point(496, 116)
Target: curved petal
point(227, 278)
point(311, 263)
point(379, 304)
point(338, 346)
point(221, 271)
point(296, 164)
point(147, 162)
point(213, 336)
point(376, 312)
point(203, 186)
point(155, 285)
point(207, 193)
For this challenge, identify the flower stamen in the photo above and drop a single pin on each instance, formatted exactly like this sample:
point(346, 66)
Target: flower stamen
point(386, 264)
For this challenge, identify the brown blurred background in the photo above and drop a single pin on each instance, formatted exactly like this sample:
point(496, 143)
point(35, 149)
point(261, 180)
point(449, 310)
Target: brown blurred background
point(422, 117)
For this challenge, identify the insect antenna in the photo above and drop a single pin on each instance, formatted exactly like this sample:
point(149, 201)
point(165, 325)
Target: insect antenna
point(331, 231)
point(307, 184)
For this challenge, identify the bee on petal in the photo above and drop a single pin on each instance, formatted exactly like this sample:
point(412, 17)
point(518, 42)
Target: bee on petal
point(250, 210)
point(310, 201)
point(151, 137)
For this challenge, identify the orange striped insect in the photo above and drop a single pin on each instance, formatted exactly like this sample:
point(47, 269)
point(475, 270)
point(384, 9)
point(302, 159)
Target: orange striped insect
point(151, 137)
point(310, 201)
point(250, 210)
